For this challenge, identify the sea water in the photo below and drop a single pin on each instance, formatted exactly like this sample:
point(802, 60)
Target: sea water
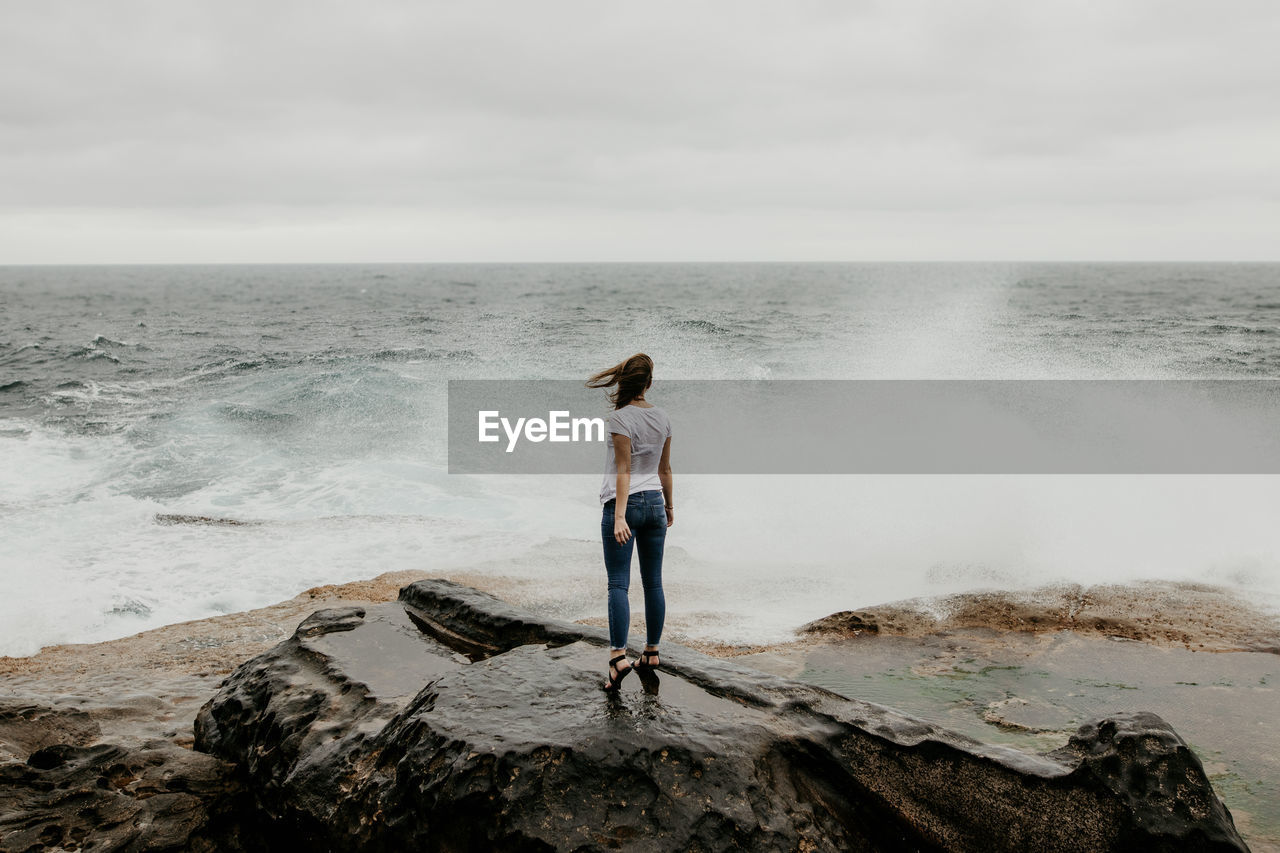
point(303, 408)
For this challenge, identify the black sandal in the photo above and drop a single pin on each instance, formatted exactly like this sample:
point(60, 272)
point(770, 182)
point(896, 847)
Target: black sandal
point(643, 663)
point(615, 681)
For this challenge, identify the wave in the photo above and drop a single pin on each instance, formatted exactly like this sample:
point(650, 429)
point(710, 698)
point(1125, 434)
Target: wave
point(707, 327)
point(1233, 329)
point(103, 340)
point(105, 348)
point(256, 416)
point(129, 607)
point(93, 353)
point(242, 363)
point(422, 354)
point(169, 518)
point(220, 368)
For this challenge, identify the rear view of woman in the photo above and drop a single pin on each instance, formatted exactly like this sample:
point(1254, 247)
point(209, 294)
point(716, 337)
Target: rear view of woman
point(638, 468)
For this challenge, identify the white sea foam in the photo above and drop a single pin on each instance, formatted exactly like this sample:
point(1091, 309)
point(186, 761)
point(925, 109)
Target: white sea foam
point(751, 557)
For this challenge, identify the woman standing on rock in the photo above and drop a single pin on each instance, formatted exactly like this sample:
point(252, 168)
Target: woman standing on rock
point(638, 466)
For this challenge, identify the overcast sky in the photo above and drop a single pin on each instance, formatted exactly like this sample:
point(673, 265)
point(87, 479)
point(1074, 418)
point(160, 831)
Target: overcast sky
point(427, 131)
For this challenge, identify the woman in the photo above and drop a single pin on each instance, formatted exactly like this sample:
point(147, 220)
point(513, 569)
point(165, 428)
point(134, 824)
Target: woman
point(638, 466)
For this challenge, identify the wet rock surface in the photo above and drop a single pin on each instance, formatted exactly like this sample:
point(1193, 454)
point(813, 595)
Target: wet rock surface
point(95, 739)
point(452, 721)
point(155, 797)
point(27, 726)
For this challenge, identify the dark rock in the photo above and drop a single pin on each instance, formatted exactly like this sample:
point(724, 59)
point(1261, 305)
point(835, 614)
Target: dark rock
point(1154, 774)
point(158, 797)
point(452, 721)
point(331, 620)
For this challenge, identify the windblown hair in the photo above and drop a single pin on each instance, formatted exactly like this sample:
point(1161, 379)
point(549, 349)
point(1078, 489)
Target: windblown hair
point(632, 377)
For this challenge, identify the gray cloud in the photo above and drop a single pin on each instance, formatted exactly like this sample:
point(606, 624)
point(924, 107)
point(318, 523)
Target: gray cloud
point(235, 127)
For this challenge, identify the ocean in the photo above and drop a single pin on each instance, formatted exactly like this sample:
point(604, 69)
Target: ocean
point(303, 408)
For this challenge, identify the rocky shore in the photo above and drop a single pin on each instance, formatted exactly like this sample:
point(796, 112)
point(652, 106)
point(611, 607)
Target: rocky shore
point(1191, 616)
point(449, 720)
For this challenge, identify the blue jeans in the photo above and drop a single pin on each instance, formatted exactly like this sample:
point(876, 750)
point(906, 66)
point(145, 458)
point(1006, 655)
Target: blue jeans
point(647, 518)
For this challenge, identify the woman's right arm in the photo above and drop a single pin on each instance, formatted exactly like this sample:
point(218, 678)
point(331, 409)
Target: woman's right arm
point(622, 489)
point(667, 480)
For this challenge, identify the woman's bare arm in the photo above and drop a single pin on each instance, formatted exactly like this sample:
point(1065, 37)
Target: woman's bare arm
point(668, 481)
point(622, 456)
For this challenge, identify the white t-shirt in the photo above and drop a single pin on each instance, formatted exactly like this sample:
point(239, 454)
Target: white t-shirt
point(648, 428)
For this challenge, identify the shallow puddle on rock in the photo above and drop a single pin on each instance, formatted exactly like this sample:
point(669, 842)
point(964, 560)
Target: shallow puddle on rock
point(388, 654)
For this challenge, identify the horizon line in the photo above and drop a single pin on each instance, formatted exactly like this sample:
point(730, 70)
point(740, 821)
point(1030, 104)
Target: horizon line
point(620, 262)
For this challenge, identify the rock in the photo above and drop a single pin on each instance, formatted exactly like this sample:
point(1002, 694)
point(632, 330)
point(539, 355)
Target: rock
point(26, 726)
point(1155, 774)
point(1157, 613)
point(331, 620)
point(452, 721)
point(159, 797)
point(846, 623)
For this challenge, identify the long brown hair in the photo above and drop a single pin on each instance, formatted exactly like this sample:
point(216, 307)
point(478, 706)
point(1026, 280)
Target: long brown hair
point(632, 377)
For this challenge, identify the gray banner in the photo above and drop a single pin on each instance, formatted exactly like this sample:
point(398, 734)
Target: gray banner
point(883, 426)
